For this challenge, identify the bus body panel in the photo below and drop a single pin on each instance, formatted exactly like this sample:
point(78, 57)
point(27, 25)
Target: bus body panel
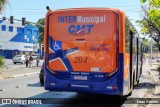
point(86, 55)
point(82, 41)
point(99, 85)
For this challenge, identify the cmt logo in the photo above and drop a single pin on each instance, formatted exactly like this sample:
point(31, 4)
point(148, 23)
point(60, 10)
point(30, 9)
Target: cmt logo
point(80, 29)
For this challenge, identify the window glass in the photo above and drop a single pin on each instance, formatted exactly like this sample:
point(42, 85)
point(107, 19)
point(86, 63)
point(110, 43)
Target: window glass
point(127, 36)
point(35, 32)
point(3, 27)
point(20, 30)
point(29, 31)
point(10, 28)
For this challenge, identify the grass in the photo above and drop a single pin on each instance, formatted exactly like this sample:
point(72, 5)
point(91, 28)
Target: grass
point(2, 61)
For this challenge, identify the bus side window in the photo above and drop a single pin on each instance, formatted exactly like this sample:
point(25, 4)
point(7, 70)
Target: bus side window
point(127, 37)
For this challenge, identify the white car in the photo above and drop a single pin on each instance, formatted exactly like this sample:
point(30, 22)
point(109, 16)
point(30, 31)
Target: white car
point(34, 56)
point(19, 59)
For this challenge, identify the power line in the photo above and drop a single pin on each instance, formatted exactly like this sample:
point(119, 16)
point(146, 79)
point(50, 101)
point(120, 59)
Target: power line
point(135, 9)
point(26, 22)
point(99, 7)
point(46, 11)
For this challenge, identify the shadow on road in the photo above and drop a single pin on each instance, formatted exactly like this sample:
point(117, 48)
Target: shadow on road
point(145, 85)
point(73, 99)
point(94, 100)
point(153, 69)
point(158, 94)
point(35, 85)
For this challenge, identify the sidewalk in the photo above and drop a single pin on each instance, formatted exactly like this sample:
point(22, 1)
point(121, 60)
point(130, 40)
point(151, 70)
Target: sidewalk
point(11, 72)
point(156, 79)
point(148, 87)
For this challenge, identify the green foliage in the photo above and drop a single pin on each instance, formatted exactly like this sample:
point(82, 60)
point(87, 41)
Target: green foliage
point(150, 23)
point(158, 68)
point(154, 15)
point(143, 1)
point(41, 29)
point(2, 4)
point(145, 45)
point(154, 3)
point(2, 61)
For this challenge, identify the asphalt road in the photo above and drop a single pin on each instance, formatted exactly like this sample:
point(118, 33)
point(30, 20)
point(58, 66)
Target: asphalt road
point(29, 87)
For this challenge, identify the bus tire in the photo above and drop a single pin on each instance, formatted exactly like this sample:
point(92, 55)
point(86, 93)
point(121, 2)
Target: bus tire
point(133, 80)
point(121, 98)
point(41, 81)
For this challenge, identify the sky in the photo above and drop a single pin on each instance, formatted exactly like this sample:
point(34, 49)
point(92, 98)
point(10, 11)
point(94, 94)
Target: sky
point(36, 9)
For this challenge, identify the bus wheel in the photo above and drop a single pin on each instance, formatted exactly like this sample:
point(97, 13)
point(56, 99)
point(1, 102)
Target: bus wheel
point(42, 81)
point(122, 99)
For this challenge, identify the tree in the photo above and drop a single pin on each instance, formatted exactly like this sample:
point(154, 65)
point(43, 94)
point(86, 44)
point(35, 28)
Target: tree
point(2, 5)
point(146, 45)
point(2, 61)
point(40, 22)
point(150, 23)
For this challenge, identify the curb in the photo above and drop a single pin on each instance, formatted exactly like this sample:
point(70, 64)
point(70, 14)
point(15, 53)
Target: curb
point(19, 75)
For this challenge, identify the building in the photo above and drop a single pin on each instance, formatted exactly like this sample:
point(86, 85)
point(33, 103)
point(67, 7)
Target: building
point(17, 39)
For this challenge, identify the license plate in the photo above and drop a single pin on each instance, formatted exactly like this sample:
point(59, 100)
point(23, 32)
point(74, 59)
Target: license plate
point(80, 77)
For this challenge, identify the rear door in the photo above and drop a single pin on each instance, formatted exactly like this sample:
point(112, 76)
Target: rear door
point(82, 41)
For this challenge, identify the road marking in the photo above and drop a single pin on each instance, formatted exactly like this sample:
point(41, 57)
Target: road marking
point(24, 74)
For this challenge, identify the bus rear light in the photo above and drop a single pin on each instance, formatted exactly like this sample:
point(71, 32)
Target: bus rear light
point(112, 87)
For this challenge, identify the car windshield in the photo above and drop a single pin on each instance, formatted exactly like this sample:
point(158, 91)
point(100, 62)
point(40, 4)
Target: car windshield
point(34, 55)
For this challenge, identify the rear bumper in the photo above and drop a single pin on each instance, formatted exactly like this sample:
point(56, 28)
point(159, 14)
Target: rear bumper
point(101, 87)
point(18, 61)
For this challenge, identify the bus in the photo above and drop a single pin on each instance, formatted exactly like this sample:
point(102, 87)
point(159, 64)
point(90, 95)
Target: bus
point(91, 50)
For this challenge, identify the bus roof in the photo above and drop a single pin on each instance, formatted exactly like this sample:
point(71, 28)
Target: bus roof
point(87, 8)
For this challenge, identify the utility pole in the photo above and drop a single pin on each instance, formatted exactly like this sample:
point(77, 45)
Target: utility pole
point(151, 50)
